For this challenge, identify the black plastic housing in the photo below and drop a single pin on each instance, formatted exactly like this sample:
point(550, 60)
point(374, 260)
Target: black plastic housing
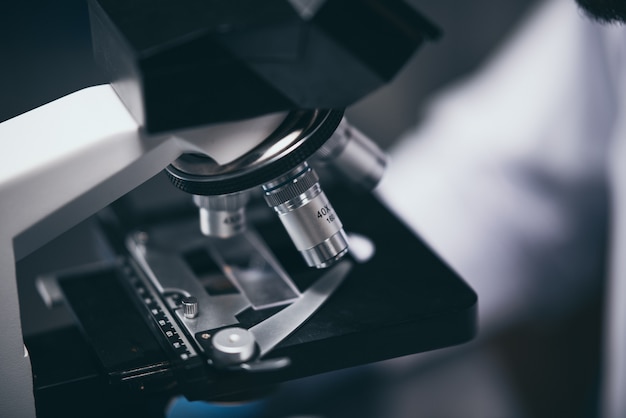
point(183, 63)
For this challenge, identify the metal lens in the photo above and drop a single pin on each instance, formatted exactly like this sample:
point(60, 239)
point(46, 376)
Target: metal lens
point(222, 216)
point(307, 216)
point(356, 157)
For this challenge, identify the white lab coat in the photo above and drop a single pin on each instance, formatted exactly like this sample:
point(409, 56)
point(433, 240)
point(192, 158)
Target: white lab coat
point(517, 175)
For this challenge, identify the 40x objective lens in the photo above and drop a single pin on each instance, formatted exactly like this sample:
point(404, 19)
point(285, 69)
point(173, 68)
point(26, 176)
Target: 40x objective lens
point(308, 216)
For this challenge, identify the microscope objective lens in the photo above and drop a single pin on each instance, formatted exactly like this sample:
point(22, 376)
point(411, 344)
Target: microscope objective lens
point(308, 216)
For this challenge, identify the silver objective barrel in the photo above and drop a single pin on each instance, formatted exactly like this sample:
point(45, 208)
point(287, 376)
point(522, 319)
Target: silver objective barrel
point(308, 216)
point(222, 216)
point(355, 156)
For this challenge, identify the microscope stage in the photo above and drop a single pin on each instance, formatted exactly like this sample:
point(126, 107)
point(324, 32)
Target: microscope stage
point(395, 297)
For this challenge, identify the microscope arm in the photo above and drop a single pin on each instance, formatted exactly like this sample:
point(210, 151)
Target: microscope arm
point(60, 163)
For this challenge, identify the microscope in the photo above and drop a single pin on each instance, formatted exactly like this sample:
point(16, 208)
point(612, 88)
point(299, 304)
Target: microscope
point(276, 261)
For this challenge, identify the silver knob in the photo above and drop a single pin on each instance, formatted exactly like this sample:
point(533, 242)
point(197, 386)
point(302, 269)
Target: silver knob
point(190, 307)
point(233, 346)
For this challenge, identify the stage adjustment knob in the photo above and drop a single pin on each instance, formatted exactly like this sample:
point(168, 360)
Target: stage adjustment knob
point(190, 307)
point(233, 346)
